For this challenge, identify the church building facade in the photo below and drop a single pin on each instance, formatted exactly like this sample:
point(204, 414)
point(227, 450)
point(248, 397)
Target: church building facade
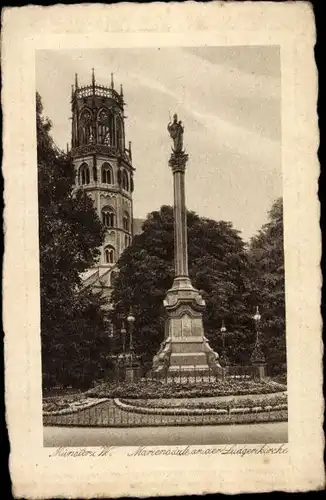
point(103, 168)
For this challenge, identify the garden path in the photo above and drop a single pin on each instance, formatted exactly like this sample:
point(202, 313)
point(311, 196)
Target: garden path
point(190, 435)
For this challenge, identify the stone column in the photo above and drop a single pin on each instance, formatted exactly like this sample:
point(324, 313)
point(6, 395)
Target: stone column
point(185, 349)
point(178, 165)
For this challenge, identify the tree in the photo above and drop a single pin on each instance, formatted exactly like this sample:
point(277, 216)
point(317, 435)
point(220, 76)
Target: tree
point(70, 232)
point(217, 266)
point(266, 260)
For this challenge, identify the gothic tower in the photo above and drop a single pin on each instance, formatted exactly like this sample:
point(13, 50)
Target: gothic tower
point(103, 168)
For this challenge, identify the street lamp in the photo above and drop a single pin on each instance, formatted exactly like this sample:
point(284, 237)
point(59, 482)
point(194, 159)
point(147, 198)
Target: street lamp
point(223, 332)
point(131, 321)
point(110, 335)
point(257, 318)
point(123, 335)
point(224, 359)
point(257, 356)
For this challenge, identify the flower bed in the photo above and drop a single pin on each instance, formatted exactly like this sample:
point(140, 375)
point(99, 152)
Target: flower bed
point(159, 389)
point(233, 415)
point(66, 406)
point(251, 403)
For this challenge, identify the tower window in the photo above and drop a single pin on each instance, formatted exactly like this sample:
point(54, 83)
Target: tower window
point(109, 254)
point(105, 127)
point(119, 134)
point(108, 217)
point(126, 221)
point(125, 181)
point(84, 177)
point(107, 174)
point(86, 134)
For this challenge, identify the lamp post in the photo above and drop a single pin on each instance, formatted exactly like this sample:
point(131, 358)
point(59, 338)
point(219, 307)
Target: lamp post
point(257, 356)
point(133, 367)
point(123, 336)
point(257, 318)
point(131, 321)
point(224, 359)
point(223, 332)
point(110, 335)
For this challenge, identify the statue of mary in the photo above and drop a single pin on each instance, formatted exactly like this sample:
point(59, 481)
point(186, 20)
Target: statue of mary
point(176, 130)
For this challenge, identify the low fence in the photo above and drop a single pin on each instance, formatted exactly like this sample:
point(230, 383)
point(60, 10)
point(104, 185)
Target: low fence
point(190, 375)
point(110, 414)
point(193, 375)
point(241, 371)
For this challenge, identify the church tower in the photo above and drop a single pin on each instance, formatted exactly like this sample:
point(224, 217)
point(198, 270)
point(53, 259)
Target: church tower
point(103, 168)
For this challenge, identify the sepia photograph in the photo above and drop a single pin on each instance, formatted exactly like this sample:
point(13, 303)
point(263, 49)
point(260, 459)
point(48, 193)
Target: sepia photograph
point(161, 246)
point(162, 281)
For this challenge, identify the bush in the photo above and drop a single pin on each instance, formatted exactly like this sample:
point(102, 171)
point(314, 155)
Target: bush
point(281, 379)
point(259, 401)
point(158, 389)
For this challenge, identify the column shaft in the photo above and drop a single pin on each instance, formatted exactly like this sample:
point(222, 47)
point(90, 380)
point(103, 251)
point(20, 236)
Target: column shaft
point(180, 225)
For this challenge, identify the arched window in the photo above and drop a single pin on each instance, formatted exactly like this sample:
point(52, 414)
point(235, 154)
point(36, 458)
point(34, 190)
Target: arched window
point(86, 134)
point(120, 144)
point(107, 173)
point(95, 174)
point(126, 221)
point(108, 216)
point(109, 254)
point(125, 180)
point(84, 177)
point(105, 127)
point(127, 241)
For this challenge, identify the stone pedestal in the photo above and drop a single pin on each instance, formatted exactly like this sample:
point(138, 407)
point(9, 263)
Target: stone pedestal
point(185, 348)
point(258, 358)
point(260, 371)
point(132, 373)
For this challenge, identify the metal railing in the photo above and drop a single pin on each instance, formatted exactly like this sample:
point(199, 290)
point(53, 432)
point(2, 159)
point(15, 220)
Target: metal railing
point(192, 375)
point(108, 414)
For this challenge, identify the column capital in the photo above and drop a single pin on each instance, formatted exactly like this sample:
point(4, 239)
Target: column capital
point(178, 162)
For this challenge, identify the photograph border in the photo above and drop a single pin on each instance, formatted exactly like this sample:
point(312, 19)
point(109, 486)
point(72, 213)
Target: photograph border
point(31, 467)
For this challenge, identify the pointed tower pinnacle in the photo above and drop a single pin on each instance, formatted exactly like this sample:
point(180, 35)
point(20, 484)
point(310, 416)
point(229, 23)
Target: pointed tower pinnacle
point(112, 81)
point(93, 80)
point(121, 91)
point(76, 81)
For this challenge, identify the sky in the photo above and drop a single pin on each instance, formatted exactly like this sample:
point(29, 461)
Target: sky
point(229, 100)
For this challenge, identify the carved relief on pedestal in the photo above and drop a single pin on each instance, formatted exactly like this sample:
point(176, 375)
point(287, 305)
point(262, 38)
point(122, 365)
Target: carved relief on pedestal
point(186, 325)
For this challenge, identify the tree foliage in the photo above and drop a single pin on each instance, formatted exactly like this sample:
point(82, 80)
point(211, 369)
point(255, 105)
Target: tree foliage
point(70, 232)
point(217, 266)
point(266, 260)
point(234, 278)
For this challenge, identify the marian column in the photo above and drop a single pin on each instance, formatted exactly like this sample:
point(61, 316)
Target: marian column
point(185, 348)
